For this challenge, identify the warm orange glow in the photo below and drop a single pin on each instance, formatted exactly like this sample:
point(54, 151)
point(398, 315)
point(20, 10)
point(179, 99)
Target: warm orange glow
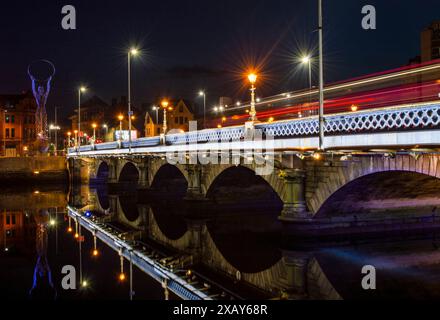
point(69, 133)
point(164, 103)
point(224, 119)
point(271, 119)
point(252, 77)
point(219, 126)
point(76, 235)
point(133, 117)
point(69, 230)
point(122, 276)
point(120, 117)
point(94, 125)
point(317, 156)
point(76, 131)
point(354, 108)
point(95, 253)
point(170, 109)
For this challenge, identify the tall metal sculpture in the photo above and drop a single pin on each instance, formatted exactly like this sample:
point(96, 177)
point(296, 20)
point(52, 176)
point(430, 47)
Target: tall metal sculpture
point(41, 89)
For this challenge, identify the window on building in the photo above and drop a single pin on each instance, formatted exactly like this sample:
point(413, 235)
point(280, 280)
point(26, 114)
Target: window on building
point(8, 219)
point(12, 119)
point(176, 120)
point(181, 109)
point(7, 132)
point(7, 119)
point(13, 133)
point(13, 219)
point(181, 120)
point(186, 120)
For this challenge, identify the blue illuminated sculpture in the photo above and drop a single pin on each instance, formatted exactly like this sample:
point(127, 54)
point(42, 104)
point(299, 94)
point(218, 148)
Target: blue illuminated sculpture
point(41, 89)
point(42, 284)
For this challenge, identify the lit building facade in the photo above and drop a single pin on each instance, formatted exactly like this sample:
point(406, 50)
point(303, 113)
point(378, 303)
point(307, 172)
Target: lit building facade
point(17, 124)
point(177, 119)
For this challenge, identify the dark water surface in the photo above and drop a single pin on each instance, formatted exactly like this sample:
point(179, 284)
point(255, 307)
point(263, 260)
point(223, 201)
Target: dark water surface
point(35, 245)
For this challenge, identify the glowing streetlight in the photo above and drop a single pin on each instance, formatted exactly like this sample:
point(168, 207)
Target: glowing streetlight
point(69, 134)
point(203, 94)
point(307, 60)
point(164, 104)
point(94, 126)
point(354, 108)
point(253, 113)
point(76, 137)
point(132, 52)
point(120, 118)
point(105, 126)
point(80, 90)
point(155, 108)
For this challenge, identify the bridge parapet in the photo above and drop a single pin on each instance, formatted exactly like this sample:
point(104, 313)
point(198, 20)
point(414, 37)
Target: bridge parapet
point(425, 116)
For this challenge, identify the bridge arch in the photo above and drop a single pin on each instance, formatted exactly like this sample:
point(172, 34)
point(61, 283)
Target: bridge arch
point(170, 178)
point(217, 172)
point(340, 178)
point(129, 173)
point(102, 172)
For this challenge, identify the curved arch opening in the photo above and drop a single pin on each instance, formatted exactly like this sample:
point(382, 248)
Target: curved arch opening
point(129, 174)
point(170, 180)
point(241, 185)
point(391, 192)
point(102, 174)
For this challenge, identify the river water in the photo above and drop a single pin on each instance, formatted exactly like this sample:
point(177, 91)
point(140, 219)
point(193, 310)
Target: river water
point(36, 245)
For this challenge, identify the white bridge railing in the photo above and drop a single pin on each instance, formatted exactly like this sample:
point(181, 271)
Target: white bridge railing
point(409, 117)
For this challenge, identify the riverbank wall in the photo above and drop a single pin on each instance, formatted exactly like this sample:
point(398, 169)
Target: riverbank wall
point(39, 169)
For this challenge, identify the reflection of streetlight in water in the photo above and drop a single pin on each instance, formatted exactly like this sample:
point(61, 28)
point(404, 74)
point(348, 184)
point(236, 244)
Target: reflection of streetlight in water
point(42, 287)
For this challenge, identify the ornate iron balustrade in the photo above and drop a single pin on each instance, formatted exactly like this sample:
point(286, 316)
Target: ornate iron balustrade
point(398, 118)
point(409, 117)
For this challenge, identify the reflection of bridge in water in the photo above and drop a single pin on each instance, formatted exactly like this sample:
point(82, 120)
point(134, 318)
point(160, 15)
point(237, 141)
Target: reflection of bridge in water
point(243, 249)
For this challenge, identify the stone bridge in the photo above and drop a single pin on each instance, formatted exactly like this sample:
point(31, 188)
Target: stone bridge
point(309, 189)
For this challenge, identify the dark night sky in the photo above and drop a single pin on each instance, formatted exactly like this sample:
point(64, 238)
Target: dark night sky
point(188, 45)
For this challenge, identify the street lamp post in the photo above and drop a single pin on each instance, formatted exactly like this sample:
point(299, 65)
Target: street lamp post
point(253, 113)
point(321, 80)
point(80, 90)
point(94, 125)
point(105, 126)
point(69, 134)
point(133, 52)
point(157, 114)
point(164, 105)
point(76, 137)
point(308, 61)
point(56, 131)
point(120, 118)
point(203, 93)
